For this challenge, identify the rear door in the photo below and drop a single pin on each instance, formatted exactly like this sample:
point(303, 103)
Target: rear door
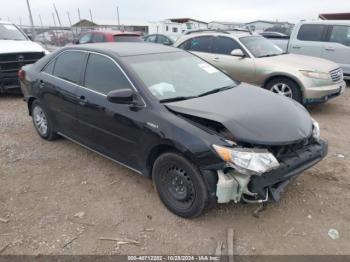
point(337, 46)
point(58, 84)
point(239, 68)
point(103, 126)
point(310, 40)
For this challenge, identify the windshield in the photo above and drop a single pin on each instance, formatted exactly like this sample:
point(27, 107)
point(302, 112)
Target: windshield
point(11, 32)
point(178, 75)
point(260, 46)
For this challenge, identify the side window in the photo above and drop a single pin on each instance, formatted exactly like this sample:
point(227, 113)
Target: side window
point(224, 45)
point(161, 39)
point(340, 34)
point(68, 66)
point(85, 38)
point(151, 38)
point(49, 67)
point(98, 38)
point(102, 75)
point(201, 44)
point(311, 32)
point(185, 45)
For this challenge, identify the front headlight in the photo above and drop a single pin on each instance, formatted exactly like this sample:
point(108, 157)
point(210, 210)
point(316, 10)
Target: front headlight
point(315, 129)
point(315, 74)
point(248, 161)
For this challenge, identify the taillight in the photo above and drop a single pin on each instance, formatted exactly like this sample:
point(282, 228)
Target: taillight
point(21, 74)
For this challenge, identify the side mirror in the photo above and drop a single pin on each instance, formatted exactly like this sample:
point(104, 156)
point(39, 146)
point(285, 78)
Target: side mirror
point(238, 53)
point(121, 96)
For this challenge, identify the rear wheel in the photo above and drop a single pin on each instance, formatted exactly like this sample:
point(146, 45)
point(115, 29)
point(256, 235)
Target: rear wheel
point(42, 123)
point(180, 185)
point(286, 87)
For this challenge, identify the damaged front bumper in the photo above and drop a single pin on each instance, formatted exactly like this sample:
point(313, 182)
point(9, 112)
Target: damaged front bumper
point(291, 166)
point(234, 186)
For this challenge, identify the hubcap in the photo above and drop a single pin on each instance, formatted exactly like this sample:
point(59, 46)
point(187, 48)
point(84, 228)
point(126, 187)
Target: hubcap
point(282, 89)
point(40, 120)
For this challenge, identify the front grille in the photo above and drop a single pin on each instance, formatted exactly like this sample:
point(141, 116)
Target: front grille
point(336, 75)
point(10, 64)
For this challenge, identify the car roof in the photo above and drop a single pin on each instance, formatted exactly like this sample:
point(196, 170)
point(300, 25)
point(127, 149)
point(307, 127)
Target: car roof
point(235, 35)
point(328, 22)
point(115, 32)
point(126, 48)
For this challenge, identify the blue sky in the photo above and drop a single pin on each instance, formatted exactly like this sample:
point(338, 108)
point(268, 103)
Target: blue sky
point(152, 10)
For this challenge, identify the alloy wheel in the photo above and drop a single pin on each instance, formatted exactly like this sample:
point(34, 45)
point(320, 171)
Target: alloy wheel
point(282, 89)
point(40, 120)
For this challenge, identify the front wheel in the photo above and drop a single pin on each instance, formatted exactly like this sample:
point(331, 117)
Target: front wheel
point(42, 123)
point(180, 185)
point(286, 87)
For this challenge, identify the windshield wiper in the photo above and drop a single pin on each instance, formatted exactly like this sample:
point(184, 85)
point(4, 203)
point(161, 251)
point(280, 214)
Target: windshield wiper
point(215, 90)
point(177, 98)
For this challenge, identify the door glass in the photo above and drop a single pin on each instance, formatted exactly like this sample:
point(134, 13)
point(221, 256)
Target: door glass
point(49, 68)
point(98, 38)
point(340, 34)
point(85, 39)
point(161, 39)
point(68, 66)
point(311, 32)
point(201, 44)
point(151, 38)
point(224, 45)
point(102, 75)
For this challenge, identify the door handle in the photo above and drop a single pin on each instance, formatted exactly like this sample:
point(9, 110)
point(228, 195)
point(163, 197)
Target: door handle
point(41, 84)
point(296, 47)
point(330, 48)
point(82, 100)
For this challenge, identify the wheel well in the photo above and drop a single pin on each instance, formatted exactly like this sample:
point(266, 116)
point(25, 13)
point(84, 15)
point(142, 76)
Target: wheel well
point(155, 153)
point(30, 102)
point(287, 77)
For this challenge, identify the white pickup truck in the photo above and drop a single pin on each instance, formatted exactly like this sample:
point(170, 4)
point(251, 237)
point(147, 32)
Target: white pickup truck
point(16, 50)
point(325, 39)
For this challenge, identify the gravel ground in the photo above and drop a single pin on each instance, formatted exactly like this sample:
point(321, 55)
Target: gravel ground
point(59, 198)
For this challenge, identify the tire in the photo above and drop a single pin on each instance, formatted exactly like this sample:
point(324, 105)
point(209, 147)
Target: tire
point(180, 185)
point(278, 84)
point(42, 123)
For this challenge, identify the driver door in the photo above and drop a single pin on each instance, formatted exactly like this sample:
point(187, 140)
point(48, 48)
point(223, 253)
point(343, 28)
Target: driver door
point(239, 68)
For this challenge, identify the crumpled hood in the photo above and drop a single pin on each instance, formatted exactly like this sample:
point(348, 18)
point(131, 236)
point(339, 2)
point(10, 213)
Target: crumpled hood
point(252, 115)
point(12, 46)
point(301, 62)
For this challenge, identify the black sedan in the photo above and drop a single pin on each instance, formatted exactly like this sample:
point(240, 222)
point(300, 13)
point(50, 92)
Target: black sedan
point(166, 114)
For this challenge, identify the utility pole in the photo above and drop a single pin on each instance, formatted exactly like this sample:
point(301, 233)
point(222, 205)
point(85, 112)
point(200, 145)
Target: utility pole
point(41, 21)
point(20, 21)
point(118, 16)
point(31, 20)
point(92, 20)
point(53, 18)
point(79, 14)
point(70, 21)
point(58, 17)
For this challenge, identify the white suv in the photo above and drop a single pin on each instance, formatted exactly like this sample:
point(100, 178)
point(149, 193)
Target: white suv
point(16, 50)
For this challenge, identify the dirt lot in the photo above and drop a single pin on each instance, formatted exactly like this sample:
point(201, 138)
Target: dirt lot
point(43, 185)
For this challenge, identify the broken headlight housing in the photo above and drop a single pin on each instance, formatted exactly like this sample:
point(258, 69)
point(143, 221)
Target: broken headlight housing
point(248, 161)
point(315, 129)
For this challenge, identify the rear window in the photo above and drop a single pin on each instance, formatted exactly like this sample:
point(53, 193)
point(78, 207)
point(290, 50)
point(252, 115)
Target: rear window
point(312, 32)
point(127, 38)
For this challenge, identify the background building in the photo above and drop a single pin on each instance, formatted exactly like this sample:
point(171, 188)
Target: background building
point(225, 25)
point(260, 26)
